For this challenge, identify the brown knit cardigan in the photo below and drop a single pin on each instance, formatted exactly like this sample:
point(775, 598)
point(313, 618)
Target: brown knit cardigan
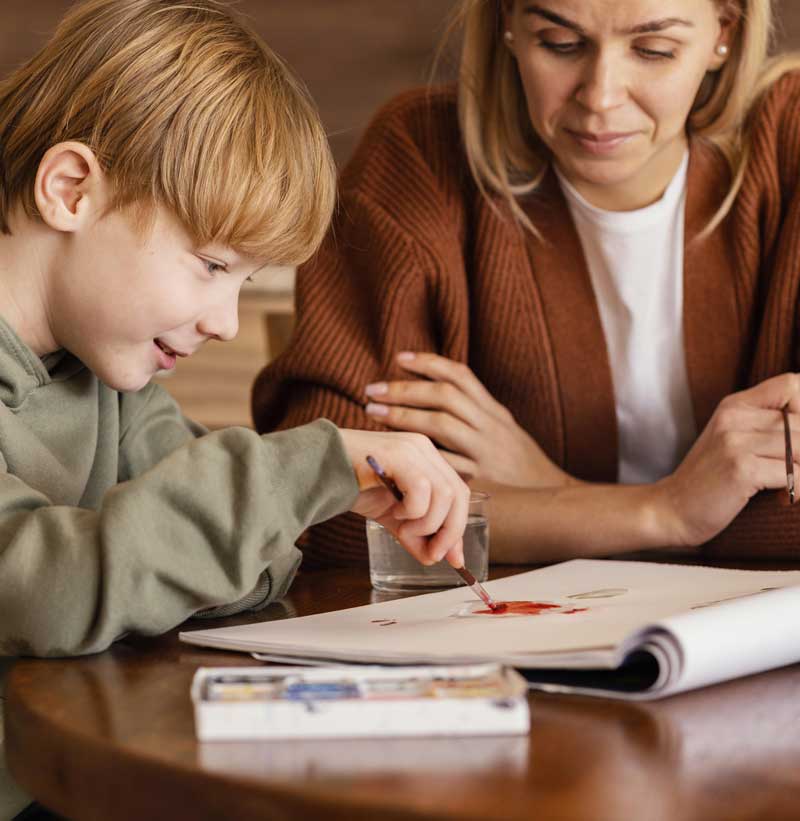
point(417, 260)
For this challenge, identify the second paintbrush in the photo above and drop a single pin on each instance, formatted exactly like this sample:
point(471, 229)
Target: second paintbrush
point(465, 574)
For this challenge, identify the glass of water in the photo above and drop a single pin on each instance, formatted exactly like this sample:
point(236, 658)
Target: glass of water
point(392, 569)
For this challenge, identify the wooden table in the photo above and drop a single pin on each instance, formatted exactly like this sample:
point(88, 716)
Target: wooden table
point(112, 737)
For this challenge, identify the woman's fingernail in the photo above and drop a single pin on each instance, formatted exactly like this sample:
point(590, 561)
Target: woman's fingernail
point(405, 356)
point(377, 410)
point(377, 389)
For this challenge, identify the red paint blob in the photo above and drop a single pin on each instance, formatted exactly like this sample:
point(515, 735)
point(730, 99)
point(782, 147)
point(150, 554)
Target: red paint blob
point(523, 608)
point(526, 608)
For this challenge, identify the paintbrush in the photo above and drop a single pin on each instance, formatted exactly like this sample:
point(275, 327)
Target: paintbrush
point(462, 571)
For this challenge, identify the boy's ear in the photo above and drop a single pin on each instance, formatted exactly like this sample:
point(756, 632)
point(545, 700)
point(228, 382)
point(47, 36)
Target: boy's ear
point(70, 186)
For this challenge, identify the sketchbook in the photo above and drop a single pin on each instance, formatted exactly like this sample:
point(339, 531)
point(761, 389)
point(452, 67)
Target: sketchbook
point(633, 630)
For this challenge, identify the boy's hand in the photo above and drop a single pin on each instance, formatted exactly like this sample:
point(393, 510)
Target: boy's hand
point(430, 520)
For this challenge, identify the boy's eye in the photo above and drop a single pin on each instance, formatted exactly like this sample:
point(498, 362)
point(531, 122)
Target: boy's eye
point(212, 267)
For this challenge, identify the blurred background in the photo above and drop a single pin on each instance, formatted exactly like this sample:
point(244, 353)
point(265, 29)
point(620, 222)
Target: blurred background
point(353, 55)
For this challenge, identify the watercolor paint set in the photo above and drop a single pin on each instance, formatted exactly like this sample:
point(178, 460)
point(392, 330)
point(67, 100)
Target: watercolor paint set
point(255, 703)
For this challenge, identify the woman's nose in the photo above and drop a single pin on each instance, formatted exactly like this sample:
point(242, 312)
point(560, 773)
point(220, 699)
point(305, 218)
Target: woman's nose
point(604, 84)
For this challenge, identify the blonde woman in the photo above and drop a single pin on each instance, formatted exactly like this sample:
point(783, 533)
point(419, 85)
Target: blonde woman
point(578, 273)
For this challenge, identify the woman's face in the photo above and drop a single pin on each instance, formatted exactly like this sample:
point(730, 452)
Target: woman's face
point(609, 86)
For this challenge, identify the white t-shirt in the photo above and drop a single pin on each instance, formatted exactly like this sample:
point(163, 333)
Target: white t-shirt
point(635, 260)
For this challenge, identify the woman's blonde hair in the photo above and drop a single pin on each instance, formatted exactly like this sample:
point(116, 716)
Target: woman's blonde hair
point(508, 159)
point(185, 108)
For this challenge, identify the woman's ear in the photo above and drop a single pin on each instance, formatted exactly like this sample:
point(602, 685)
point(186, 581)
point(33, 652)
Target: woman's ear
point(506, 19)
point(70, 186)
point(729, 21)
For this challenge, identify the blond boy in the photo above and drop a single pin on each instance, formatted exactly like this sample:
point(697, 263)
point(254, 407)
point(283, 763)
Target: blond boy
point(153, 157)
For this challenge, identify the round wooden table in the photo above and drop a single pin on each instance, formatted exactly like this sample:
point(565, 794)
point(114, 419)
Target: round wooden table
point(111, 737)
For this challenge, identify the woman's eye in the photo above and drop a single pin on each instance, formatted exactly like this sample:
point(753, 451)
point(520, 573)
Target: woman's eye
point(654, 54)
point(570, 47)
point(658, 49)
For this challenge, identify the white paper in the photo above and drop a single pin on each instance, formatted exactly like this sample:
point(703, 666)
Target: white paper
point(713, 641)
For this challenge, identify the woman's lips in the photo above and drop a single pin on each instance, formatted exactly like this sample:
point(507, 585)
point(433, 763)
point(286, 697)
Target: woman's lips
point(601, 144)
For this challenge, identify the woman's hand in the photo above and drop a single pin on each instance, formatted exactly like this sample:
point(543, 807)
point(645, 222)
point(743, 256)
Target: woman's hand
point(480, 436)
point(430, 520)
point(741, 452)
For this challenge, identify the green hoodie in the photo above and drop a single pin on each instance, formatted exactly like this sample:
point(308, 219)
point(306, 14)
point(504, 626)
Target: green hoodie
point(118, 515)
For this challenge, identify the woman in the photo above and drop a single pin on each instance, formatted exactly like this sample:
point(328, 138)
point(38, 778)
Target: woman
point(578, 274)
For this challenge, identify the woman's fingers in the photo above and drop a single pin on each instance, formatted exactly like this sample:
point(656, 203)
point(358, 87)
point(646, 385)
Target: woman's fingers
point(445, 429)
point(764, 445)
point(774, 393)
point(465, 467)
point(441, 369)
point(768, 474)
point(419, 393)
point(746, 418)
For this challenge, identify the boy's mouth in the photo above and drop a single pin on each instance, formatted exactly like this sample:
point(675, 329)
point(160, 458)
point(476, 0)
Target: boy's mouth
point(167, 350)
point(167, 357)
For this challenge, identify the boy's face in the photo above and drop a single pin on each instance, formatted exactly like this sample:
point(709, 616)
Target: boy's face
point(130, 303)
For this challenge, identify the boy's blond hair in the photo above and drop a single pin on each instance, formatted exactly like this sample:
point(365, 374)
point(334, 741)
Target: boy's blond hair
point(185, 108)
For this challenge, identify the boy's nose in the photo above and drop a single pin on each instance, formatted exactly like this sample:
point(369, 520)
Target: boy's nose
point(603, 85)
point(221, 321)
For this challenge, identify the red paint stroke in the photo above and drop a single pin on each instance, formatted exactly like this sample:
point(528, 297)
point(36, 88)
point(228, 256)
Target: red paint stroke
point(526, 608)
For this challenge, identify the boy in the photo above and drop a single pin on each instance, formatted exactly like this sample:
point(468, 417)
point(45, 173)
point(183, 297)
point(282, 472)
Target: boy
point(153, 156)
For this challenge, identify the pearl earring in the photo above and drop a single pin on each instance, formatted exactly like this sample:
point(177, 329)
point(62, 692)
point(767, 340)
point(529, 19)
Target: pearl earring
point(508, 37)
point(722, 50)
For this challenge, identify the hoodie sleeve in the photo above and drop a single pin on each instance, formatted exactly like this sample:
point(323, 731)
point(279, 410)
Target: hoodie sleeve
point(195, 523)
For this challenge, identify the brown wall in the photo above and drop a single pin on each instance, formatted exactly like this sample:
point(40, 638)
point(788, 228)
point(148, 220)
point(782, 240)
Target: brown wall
point(353, 54)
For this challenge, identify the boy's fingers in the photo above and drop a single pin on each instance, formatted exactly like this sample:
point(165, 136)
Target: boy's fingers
point(455, 557)
point(416, 490)
point(450, 536)
point(434, 518)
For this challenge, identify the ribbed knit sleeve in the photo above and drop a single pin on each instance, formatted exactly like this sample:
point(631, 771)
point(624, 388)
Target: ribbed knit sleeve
point(767, 237)
point(388, 278)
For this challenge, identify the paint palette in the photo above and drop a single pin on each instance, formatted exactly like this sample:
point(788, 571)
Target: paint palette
point(339, 702)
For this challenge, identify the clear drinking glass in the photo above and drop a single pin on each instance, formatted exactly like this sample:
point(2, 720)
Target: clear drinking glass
point(392, 569)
